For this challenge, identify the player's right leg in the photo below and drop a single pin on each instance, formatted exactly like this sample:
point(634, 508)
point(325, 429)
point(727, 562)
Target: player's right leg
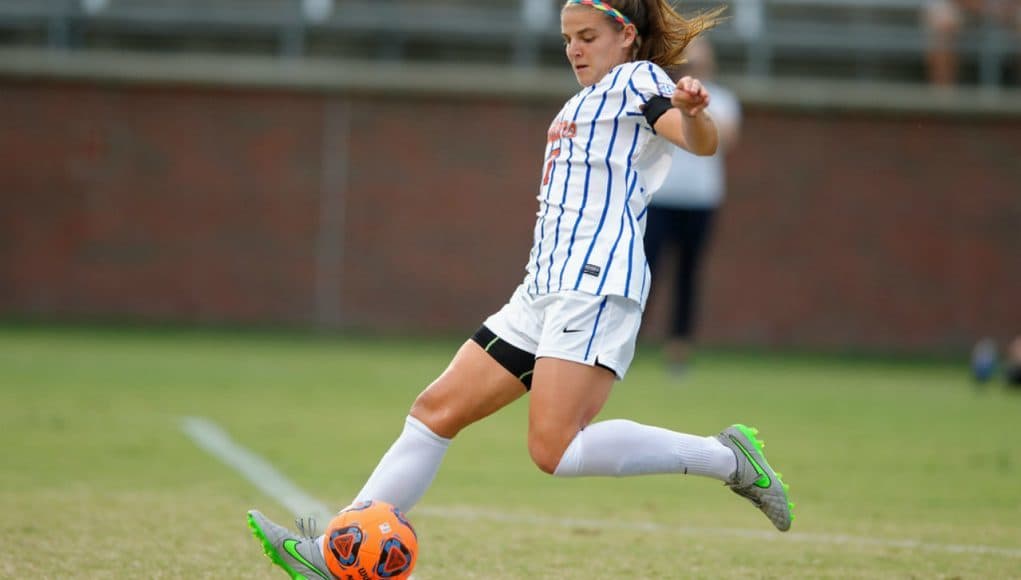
point(301, 557)
point(472, 387)
point(491, 370)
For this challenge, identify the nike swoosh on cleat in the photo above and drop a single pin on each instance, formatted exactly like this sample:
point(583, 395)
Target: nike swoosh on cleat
point(289, 547)
point(763, 481)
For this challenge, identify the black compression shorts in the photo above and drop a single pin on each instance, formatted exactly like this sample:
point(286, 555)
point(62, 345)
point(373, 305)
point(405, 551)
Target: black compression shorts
point(518, 362)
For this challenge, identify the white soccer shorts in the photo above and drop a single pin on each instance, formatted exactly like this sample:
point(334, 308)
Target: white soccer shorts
point(571, 325)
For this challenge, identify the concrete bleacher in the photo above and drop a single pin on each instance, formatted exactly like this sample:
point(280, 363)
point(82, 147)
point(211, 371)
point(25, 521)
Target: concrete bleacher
point(863, 39)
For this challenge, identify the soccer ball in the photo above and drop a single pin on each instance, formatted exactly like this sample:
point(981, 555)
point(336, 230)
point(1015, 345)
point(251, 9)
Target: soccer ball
point(370, 540)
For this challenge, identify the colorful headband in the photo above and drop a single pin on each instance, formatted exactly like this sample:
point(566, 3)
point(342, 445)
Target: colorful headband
point(609, 10)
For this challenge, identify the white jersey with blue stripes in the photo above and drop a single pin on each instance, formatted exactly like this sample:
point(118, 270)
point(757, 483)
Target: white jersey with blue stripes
point(603, 162)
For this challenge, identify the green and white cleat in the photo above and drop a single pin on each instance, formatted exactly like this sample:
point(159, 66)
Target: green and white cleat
point(300, 557)
point(754, 479)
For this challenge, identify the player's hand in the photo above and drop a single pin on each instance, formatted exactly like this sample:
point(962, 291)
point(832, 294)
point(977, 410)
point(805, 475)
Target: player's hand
point(690, 97)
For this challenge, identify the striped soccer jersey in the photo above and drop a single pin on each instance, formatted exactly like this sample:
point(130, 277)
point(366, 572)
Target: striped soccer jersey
point(603, 162)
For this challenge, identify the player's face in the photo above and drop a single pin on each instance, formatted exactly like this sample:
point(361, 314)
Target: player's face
point(594, 42)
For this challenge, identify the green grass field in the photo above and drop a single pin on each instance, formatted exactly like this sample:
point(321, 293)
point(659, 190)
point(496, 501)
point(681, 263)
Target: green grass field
point(899, 469)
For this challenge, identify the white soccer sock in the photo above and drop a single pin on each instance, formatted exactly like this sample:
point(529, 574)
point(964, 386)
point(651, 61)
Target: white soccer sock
point(619, 447)
point(407, 469)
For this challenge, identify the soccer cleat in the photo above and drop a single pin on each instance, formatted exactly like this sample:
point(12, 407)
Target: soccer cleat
point(300, 557)
point(754, 479)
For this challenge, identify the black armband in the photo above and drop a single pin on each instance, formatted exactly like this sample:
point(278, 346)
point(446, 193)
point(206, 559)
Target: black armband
point(655, 108)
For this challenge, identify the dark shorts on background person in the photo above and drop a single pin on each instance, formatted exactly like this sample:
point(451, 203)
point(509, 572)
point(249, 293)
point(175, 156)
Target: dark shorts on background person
point(690, 230)
point(1012, 374)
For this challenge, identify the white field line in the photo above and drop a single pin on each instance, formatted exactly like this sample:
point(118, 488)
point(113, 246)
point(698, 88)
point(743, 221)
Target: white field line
point(271, 482)
point(255, 469)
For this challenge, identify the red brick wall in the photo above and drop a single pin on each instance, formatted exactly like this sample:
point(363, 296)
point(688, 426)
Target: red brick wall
point(891, 233)
point(841, 230)
point(157, 204)
point(440, 210)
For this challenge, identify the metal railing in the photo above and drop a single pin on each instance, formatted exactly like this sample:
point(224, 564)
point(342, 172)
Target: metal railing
point(761, 38)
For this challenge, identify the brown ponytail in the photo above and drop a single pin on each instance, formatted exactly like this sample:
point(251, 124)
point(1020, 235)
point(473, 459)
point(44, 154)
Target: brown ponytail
point(663, 33)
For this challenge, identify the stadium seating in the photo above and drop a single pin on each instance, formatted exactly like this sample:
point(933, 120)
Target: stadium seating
point(868, 39)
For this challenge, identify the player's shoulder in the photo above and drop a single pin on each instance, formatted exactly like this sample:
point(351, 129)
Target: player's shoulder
point(649, 79)
point(646, 68)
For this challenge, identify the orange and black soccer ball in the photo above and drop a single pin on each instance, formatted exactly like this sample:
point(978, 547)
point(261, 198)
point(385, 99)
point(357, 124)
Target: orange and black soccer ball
point(371, 540)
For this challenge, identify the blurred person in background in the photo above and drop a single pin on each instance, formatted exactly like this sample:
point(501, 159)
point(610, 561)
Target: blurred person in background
point(944, 20)
point(985, 362)
point(683, 210)
point(569, 330)
point(1012, 368)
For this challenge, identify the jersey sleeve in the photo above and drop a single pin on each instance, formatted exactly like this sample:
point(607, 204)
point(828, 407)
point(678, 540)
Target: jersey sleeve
point(648, 81)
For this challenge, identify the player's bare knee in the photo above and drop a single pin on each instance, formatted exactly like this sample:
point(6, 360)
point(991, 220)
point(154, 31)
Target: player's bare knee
point(546, 451)
point(438, 416)
point(544, 459)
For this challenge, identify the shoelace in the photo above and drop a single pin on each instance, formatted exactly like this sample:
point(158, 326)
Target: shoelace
point(307, 527)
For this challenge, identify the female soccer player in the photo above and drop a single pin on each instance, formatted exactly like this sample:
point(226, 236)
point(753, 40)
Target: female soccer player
point(568, 331)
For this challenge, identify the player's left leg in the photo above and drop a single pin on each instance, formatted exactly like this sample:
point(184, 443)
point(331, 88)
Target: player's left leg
point(569, 389)
point(587, 342)
point(754, 479)
point(567, 395)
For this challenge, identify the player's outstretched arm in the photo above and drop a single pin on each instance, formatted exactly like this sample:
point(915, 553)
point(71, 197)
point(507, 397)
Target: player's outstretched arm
point(688, 124)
